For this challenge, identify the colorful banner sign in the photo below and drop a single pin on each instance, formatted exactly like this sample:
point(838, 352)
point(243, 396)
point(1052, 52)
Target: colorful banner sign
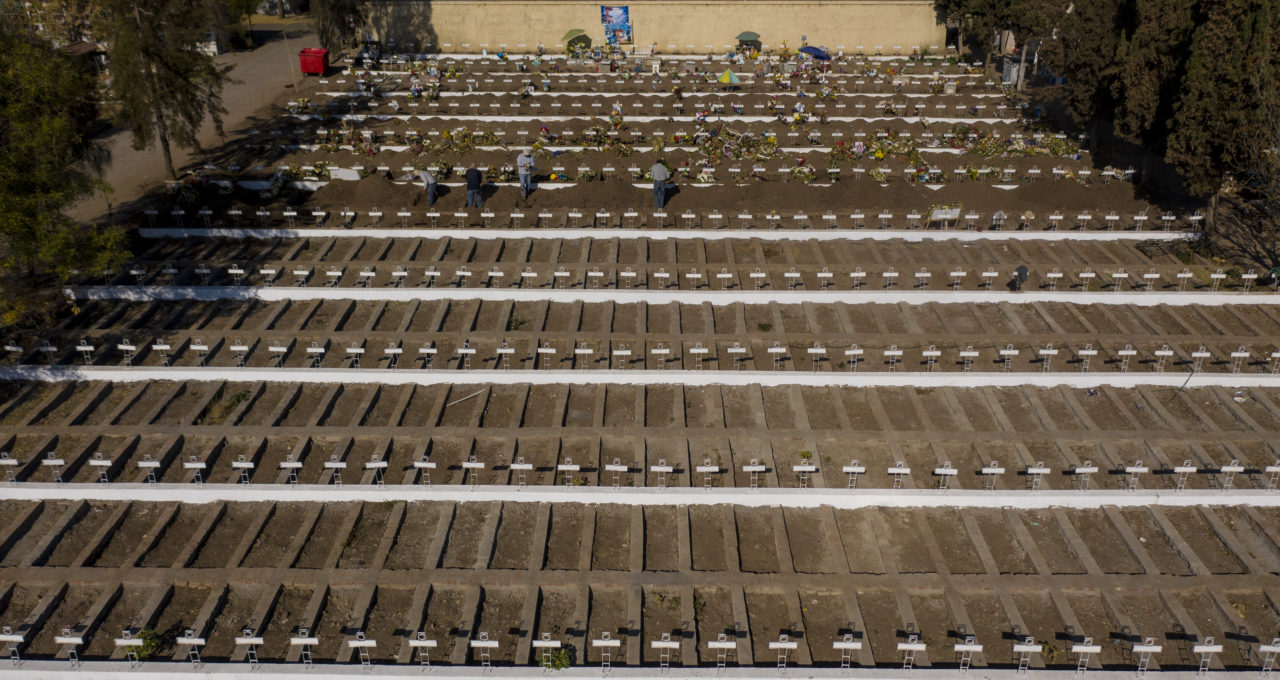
point(611, 15)
point(618, 34)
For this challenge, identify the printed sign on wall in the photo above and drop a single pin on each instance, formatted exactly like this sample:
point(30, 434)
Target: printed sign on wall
point(617, 24)
point(614, 14)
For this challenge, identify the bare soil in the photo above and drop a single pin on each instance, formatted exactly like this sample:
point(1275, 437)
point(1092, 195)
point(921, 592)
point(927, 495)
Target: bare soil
point(713, 614)
point(320, 542)
point(564, 538)
point(608, 614)
point(276, 535)
point(240, 600)
point(286, 617)
point(1204, 541)
point(1051, 542)
point(409, 551)
point(661, 615)
point(611, 549)
point(515, 536)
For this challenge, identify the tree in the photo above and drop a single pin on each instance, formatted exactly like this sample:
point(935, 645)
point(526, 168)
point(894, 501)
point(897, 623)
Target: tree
point(337, 21)
point(1084, 50)
point(66, 21)
point(1221, 111)
point(48, 160)
point(1027, 19)
point(166, 89)
point(242, 11)
point(1153, 60)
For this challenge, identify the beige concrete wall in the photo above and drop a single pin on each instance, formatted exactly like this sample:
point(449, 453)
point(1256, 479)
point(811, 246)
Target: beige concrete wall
point(467, 25)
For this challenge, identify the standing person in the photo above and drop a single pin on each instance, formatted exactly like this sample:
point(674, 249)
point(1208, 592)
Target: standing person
point(475, 182)
point(524, 168)
point(660, 175)
point(429, 184)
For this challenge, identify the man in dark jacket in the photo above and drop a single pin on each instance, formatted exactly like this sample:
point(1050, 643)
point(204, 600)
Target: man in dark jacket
point(475, 181)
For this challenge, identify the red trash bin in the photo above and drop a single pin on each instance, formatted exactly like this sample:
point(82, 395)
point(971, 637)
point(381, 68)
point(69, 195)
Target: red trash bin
point(314, 61)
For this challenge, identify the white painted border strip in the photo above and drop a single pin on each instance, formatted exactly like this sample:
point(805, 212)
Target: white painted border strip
point(840, 497)
point(540, 94)
point(692, 297)
point(416, 376)
point(714, 118)
point(122, 670)
point(914, 235)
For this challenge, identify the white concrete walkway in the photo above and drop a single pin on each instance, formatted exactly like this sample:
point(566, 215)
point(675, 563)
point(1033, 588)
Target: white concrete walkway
point(910, 235)
point(694, 297)
point(417, 376)
point(715, 117)
point(839, 498)
point(120, 670)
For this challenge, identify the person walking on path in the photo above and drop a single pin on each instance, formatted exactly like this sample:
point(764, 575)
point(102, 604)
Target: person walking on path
point(475, 182)
point(660, 175)
point(524, 167)
point(429, 185)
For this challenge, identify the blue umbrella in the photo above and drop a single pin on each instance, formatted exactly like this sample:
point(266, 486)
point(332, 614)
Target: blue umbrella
point(816, 52)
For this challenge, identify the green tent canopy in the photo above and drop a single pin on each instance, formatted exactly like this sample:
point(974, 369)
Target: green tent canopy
point(572, 34)
point(748, 36)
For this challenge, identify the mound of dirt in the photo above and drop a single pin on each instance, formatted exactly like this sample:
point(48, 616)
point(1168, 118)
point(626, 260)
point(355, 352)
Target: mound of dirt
point(374, 190)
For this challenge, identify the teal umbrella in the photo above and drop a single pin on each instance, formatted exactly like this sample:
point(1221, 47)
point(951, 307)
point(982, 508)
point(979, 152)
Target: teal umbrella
point(572, 34)
point(748, 36)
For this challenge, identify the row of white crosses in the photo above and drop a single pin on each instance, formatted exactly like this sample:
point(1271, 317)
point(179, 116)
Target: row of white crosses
point(606, 645)
point(694, 278)
point(304, 640)
point(885, 219)
point(661, 106)
point(785, 647)
point(584, 354)
point(707, 471)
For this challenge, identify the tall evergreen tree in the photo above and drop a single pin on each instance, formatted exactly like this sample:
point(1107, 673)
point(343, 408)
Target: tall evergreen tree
point(166, 89)
point(1220, 112)
point(1153, 58)
point(1084, 50)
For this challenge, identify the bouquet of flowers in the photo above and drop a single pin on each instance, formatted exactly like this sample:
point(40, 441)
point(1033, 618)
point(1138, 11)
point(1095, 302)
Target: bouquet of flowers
point(442, 170)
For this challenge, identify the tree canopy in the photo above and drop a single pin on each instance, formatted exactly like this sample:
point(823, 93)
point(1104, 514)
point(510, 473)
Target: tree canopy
point(1189, 80)
point(165, 88)
point(337, 21)
point(48, 160)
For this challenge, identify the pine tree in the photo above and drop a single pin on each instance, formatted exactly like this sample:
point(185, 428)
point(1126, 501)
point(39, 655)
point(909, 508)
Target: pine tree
point(1220, 112)
point(1084, 50)
point(166, 89)
point(1153, 56)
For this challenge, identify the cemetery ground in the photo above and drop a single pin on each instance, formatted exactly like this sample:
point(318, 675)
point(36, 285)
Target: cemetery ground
point(516, 571)
point(364, 275)
point(624, 435)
